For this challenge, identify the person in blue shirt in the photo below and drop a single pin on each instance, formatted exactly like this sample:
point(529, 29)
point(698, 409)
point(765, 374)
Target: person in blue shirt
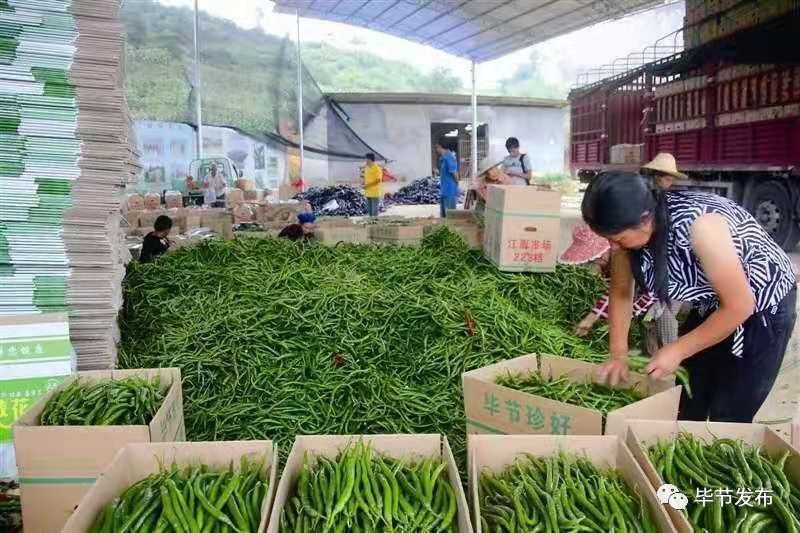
point(448, 179)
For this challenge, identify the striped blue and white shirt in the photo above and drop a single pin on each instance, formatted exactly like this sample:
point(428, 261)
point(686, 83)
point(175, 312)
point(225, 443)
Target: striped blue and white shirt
point(768, 269)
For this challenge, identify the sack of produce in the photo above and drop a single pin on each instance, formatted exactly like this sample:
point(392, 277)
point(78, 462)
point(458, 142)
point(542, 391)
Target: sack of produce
point(135, 202)
point(173, 200)
point(243, 213)
point(152, 200)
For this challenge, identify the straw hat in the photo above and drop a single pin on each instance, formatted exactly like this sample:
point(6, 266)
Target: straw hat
point(664, 163)
point(586, 246)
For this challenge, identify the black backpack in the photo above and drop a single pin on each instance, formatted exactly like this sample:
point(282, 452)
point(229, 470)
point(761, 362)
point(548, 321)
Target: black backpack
point(522, 163)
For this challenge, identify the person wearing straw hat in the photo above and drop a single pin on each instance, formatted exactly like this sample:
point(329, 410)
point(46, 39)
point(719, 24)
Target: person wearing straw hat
point(663, 169)
point(589, 248)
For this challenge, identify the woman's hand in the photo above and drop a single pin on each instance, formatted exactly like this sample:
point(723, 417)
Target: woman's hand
point(614, 371)
point(585, 326)
point(665, 362)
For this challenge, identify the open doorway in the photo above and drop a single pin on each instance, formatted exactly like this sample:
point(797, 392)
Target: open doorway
point(457, 137)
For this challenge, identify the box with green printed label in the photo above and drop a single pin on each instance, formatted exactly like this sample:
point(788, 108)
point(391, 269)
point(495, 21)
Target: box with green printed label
point(58, 464)
point(35, 356)
point(494, 408)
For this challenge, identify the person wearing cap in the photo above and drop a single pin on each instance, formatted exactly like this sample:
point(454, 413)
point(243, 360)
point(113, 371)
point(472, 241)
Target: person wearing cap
point(304, 229)
point(664, 170)
point(590, 249)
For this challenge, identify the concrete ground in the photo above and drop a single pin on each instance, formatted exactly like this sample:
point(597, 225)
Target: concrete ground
point(783, 402)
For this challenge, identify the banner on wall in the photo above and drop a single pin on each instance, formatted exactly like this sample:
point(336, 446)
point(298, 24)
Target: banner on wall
point(168, 148)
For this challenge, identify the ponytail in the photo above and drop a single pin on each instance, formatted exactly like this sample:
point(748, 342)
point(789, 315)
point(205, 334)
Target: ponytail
point(659, 250)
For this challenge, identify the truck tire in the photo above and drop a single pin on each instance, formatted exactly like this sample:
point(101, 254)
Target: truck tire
point(771, 203)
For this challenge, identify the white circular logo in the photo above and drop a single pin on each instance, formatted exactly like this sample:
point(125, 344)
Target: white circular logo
point(678, 501)
point(665, 491)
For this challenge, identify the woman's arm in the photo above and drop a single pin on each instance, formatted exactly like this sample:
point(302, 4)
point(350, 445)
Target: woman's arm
point(620, 303)
point(713, 245)
point(619, 319)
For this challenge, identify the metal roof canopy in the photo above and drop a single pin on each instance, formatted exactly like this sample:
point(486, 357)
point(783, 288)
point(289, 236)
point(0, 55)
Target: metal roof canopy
point(479, 30)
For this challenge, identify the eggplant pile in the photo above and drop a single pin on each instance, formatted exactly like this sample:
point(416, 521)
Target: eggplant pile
point(421, 191)
point(351, 201)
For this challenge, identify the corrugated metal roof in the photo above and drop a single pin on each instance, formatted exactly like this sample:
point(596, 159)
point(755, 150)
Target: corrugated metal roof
point(443, 99)
point(480, 30)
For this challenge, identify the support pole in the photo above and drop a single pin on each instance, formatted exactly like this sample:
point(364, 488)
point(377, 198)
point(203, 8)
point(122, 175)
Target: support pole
point(198, 85)
point(300, 102)
point(474, 125)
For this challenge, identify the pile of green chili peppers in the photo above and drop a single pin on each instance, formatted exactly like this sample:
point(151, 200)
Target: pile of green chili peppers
point(732, 487)
point(560, 493)
point(276, 339)
point(591, 395)
point(123, 402)
point(364, 491)
point(194, 499)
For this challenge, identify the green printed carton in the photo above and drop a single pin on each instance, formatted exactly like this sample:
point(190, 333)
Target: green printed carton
point(496, 409)
point(35, 357)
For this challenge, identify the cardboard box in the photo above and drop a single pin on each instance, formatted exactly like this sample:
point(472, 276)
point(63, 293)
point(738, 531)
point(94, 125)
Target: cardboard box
point(333, 222)
point(395, 446)
point(522, 227)
point(496, 452)
point(644, 433)
point(622, 154)
point(35, 357)
point(193, 217)
point(137, 461)
point(469, 231)
point(59, 464)
point(335, 235)
point(409, 233)
point(148, 218)
point(493, 408)
point(233, 197)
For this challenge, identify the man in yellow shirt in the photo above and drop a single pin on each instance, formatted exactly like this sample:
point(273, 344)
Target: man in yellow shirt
point(373, 176)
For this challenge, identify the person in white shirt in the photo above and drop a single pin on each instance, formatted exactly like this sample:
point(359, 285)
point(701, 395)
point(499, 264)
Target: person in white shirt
point(215, 185)
point(516, 164)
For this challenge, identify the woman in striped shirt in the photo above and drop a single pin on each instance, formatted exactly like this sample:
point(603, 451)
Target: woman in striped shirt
point(703, 249)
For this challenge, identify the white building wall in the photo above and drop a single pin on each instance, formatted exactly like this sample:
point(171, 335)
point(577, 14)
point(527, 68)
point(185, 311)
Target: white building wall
point(401, 132)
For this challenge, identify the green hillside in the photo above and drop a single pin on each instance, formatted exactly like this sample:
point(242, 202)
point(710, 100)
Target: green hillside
point(248, 77)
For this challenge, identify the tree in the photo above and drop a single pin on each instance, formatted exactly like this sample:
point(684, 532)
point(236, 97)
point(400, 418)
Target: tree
point(528, 80)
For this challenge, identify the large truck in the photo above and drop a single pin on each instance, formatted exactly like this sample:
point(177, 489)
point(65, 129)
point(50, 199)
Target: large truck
point(727, 106)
